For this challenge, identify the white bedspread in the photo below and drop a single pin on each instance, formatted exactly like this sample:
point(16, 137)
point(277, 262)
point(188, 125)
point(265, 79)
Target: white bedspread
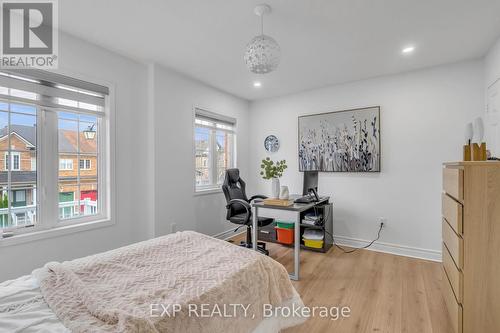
point(23, 309)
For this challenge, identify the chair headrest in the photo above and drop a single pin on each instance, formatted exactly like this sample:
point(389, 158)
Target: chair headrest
point(233, 175)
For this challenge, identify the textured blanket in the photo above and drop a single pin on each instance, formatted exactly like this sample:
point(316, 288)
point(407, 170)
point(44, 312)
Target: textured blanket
point(136, 288)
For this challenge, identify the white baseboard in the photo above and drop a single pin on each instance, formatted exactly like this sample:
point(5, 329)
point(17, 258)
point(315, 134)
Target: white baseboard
point(225, 235)
point(400, 250)
point(396, 249)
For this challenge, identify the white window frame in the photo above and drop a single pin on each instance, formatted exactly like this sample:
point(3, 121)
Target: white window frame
point(101, 182)
point(220, 125)
point(65, 164)
point(48, 223)
point(85, 160)
point(11, 161)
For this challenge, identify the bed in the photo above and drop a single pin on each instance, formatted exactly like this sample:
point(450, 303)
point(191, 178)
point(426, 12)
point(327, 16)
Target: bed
point(182, 282)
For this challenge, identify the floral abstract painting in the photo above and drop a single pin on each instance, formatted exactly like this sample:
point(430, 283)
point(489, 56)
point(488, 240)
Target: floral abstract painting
point(343, 141)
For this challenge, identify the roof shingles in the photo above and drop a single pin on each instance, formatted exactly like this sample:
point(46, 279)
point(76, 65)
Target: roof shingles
point(68, 140)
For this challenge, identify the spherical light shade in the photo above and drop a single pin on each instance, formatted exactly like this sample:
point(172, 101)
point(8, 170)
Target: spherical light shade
point(262, 54)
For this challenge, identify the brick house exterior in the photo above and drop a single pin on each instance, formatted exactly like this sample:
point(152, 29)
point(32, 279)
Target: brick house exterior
point(23, 163)
point(73, 150)
point(202, 160)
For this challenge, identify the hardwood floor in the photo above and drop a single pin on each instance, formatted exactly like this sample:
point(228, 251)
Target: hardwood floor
point(386, 293)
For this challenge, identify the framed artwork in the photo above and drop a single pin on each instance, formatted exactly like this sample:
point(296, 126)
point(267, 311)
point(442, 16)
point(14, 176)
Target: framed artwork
point(342, 141)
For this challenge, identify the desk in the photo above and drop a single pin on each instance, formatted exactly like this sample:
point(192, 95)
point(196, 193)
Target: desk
point(290, 213)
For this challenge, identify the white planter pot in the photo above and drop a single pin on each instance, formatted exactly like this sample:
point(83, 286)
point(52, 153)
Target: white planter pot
point(275, 188)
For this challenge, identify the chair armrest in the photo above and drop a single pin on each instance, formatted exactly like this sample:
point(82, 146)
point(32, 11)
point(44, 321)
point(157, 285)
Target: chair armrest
point(258, 196)
point(238, 201)
point(245, 204)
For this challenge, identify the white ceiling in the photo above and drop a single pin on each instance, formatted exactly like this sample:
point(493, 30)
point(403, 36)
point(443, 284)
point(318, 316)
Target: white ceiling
point(323, 42)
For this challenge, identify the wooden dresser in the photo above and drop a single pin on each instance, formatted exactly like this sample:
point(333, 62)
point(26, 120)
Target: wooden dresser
point(471, 245)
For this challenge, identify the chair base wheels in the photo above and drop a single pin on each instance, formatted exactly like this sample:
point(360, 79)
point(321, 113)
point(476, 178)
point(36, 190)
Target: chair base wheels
point(261, 247)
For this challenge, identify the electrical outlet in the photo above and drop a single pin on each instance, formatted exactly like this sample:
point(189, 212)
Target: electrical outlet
point(173, 227)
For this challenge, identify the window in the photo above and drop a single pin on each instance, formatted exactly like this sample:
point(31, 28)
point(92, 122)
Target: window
point(72, 128)
point(75, 117)
point(214, 141)
point(18, 183)
point(14, 161)
point(65, 164)
point(85, 165)
point(20, 197)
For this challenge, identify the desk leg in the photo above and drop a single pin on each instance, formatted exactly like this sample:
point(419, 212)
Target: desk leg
point(254, 227)
point(296, 250)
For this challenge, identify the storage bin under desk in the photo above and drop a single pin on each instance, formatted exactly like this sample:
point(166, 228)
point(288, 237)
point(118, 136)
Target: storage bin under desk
point(268, 233)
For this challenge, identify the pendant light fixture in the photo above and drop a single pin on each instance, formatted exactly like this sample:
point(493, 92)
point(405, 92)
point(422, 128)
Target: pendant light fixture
point(262, 53)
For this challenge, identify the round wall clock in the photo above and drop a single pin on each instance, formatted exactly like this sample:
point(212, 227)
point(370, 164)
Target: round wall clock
point(271, 143)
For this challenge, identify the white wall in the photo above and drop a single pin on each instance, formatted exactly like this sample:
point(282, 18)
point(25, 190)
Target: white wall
point(129, 78)
point(423, 115)
point(154, 158)
point(492, 64)
point(492, 88)
point(175, 97)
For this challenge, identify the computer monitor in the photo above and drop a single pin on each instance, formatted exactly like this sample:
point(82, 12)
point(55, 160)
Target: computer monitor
point(310, 181)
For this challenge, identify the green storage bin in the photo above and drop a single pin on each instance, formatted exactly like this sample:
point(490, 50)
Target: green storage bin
point(285, 224)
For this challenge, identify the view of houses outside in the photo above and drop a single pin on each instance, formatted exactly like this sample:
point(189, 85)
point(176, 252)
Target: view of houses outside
point(78, 167)
point(224, 141)
point(22, 160)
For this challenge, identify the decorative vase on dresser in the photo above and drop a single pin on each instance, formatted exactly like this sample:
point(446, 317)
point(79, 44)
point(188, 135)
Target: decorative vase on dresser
point(471, 245)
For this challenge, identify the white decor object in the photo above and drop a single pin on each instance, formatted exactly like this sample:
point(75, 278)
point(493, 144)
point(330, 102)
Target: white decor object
point(262, 54)
point(469, 133)
point(478, 130)
point(284, 193)
point(272, 144)
point(275, 188)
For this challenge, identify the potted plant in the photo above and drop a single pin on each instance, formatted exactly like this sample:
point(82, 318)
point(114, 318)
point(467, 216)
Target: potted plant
point(273, 170)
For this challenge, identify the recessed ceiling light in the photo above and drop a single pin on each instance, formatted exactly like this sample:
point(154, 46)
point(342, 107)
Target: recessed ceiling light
point(257, 84)
point(408, 49)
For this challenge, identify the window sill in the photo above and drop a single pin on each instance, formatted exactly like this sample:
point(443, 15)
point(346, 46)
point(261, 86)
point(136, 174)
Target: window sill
point(54, 232)
point(207, 191)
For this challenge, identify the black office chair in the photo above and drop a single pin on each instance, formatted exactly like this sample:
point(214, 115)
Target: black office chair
point(238, 207)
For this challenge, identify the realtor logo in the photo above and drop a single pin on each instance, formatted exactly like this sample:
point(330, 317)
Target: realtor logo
point(29, 34)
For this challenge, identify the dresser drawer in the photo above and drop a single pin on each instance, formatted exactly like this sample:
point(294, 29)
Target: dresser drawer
point(454, 309)
point(454, 275)
point(453, 182)
point(454, 243)
point(453, 213)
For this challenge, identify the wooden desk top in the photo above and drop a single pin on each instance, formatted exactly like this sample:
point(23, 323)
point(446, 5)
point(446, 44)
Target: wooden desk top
point(296, 207)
